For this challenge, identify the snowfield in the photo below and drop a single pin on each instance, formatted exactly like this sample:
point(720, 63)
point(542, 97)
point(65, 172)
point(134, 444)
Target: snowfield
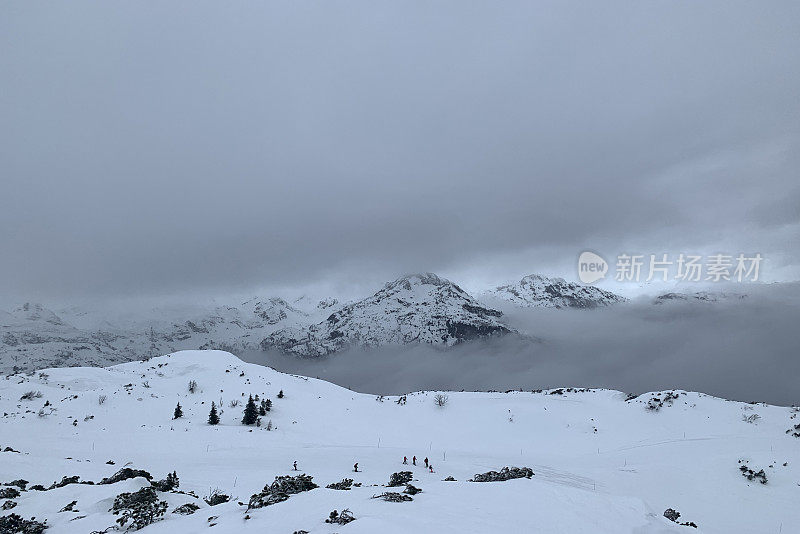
point(602, 463)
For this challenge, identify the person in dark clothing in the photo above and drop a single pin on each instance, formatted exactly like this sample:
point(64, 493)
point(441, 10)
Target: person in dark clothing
point(295, 465)
point(405, 460)
point(431, 468)
point(355, 467)
point(426, 462)
point(414, 460)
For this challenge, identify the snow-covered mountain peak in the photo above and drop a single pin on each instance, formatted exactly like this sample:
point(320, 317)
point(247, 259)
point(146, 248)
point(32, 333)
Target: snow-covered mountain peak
point(535, 290)
point(35, 312)
point(417, 308)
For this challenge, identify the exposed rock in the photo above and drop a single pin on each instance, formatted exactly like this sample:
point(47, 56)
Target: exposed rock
point(186, 509)
point(124, 474)
point(390, 496)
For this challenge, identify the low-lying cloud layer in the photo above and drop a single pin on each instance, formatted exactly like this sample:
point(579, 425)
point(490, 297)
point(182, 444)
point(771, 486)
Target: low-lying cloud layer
point(740, 349)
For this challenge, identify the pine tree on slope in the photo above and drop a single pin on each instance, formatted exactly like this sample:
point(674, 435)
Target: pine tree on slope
point(213, 416)
point(250, 412)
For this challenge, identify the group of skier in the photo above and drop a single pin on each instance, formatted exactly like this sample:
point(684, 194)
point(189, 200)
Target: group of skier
point(428, 466)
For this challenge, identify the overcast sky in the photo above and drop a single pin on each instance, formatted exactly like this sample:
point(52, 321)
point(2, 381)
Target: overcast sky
point(151, 148)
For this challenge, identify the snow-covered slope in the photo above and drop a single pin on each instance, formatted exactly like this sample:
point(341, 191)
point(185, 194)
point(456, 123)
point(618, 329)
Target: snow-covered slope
point(419, 308)
point(602, 462)
point(542, 292)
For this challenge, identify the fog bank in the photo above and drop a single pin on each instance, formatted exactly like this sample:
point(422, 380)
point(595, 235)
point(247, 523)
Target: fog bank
point(745, 350)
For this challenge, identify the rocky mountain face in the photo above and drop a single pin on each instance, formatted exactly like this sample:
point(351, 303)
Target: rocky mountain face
point(420, 308)
point(698, 296)
point(536, 291)
point(33, 336)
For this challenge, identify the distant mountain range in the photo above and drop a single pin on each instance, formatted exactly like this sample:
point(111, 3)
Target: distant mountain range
point(414, 309)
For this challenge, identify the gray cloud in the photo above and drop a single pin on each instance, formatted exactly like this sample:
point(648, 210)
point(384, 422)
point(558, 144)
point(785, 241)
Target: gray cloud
point(159, 148)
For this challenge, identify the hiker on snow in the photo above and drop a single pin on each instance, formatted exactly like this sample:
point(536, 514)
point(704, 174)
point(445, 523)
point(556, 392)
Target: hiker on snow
point(426, 462)
point(295, 465)
point(405, 460)
point(414, 459)
point(355, 467)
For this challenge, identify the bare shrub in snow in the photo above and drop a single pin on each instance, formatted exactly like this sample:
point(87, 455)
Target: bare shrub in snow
point(216, 497)
point(673, 516)
point(391, 496)
point(412, 490)
point(340, 518)
point(752, 418)
point(506, 473)
point(139, 509)
point(14, 524)
point(168, 484)
point(192, 386)
point(440, 399)
point(345, 484)
point(399, 479)
point(101, 399)
point(659, 401)
point(30, 395)
point(280, 490)
point(9, 493)
point(20, 483)
point(751, 475)
point(186, 509)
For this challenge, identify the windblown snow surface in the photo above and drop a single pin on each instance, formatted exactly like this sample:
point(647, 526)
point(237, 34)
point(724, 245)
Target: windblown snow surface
point(602, 462)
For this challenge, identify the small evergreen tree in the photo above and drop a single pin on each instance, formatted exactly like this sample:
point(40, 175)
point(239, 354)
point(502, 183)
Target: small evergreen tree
point(178, 412)
point(280, 394)
point(250, 412)
point(264, 407)
point(213, 417)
